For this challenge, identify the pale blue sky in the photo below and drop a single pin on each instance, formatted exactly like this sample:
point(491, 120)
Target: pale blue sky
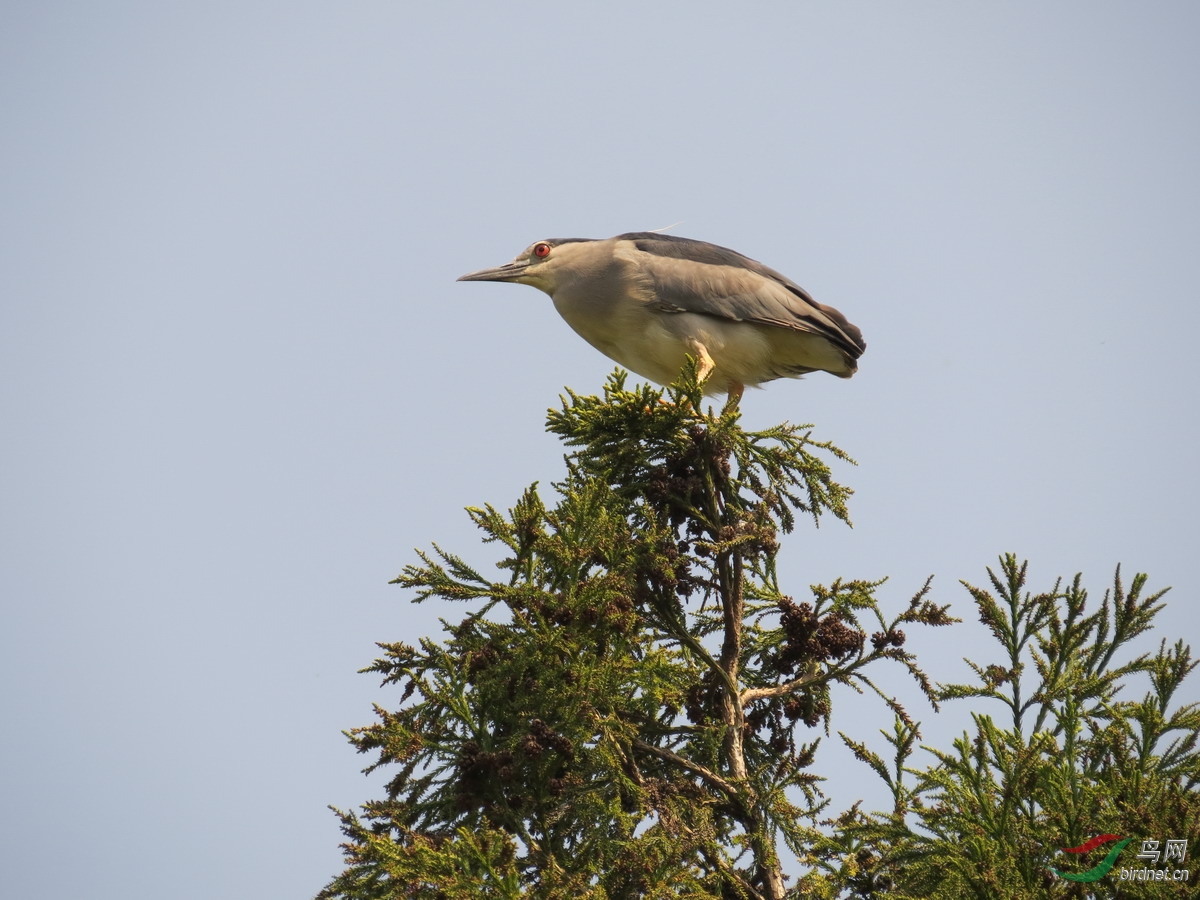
point(239, 382)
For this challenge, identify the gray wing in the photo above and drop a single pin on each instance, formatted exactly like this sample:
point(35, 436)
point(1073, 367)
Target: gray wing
point(698, 277)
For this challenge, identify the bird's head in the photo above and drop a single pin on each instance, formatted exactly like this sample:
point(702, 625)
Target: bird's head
point(545, 265)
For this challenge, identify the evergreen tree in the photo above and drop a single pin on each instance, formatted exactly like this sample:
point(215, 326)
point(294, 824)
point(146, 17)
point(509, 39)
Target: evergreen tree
point(632, 707)
point(625, 711)
point(1066, 760)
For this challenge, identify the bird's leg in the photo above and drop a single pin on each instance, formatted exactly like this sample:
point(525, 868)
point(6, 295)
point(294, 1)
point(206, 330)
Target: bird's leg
point(705, 364)
point(735, 393)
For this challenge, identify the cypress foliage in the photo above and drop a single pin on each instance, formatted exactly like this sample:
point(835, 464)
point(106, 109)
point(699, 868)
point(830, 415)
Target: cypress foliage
point(631, 706)
point(627, 707)
point(1064, 759)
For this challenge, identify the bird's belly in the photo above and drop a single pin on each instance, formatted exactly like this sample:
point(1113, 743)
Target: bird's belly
point(629, 335)
point(655, 345)
point(740, 352)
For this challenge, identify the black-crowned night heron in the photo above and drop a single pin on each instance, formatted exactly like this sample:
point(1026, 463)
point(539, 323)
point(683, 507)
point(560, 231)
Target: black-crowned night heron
point(648, 300)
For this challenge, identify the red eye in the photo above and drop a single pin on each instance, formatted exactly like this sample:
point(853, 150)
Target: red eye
point(541, 251)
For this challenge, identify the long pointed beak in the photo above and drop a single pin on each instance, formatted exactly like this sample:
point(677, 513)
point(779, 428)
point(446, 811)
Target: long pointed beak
point(508, 272)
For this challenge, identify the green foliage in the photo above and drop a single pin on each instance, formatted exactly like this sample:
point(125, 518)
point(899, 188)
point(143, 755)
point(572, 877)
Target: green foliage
point(623, 710)
point(1067, 760)
point(629, 705)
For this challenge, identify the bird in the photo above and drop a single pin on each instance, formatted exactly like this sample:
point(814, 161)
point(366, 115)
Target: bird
point(649, 300)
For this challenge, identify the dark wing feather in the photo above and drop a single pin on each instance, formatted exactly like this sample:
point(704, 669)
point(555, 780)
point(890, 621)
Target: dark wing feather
point(695, 276)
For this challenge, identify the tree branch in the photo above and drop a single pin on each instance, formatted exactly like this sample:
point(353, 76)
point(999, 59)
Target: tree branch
point(709, 776)
point(751, 694)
